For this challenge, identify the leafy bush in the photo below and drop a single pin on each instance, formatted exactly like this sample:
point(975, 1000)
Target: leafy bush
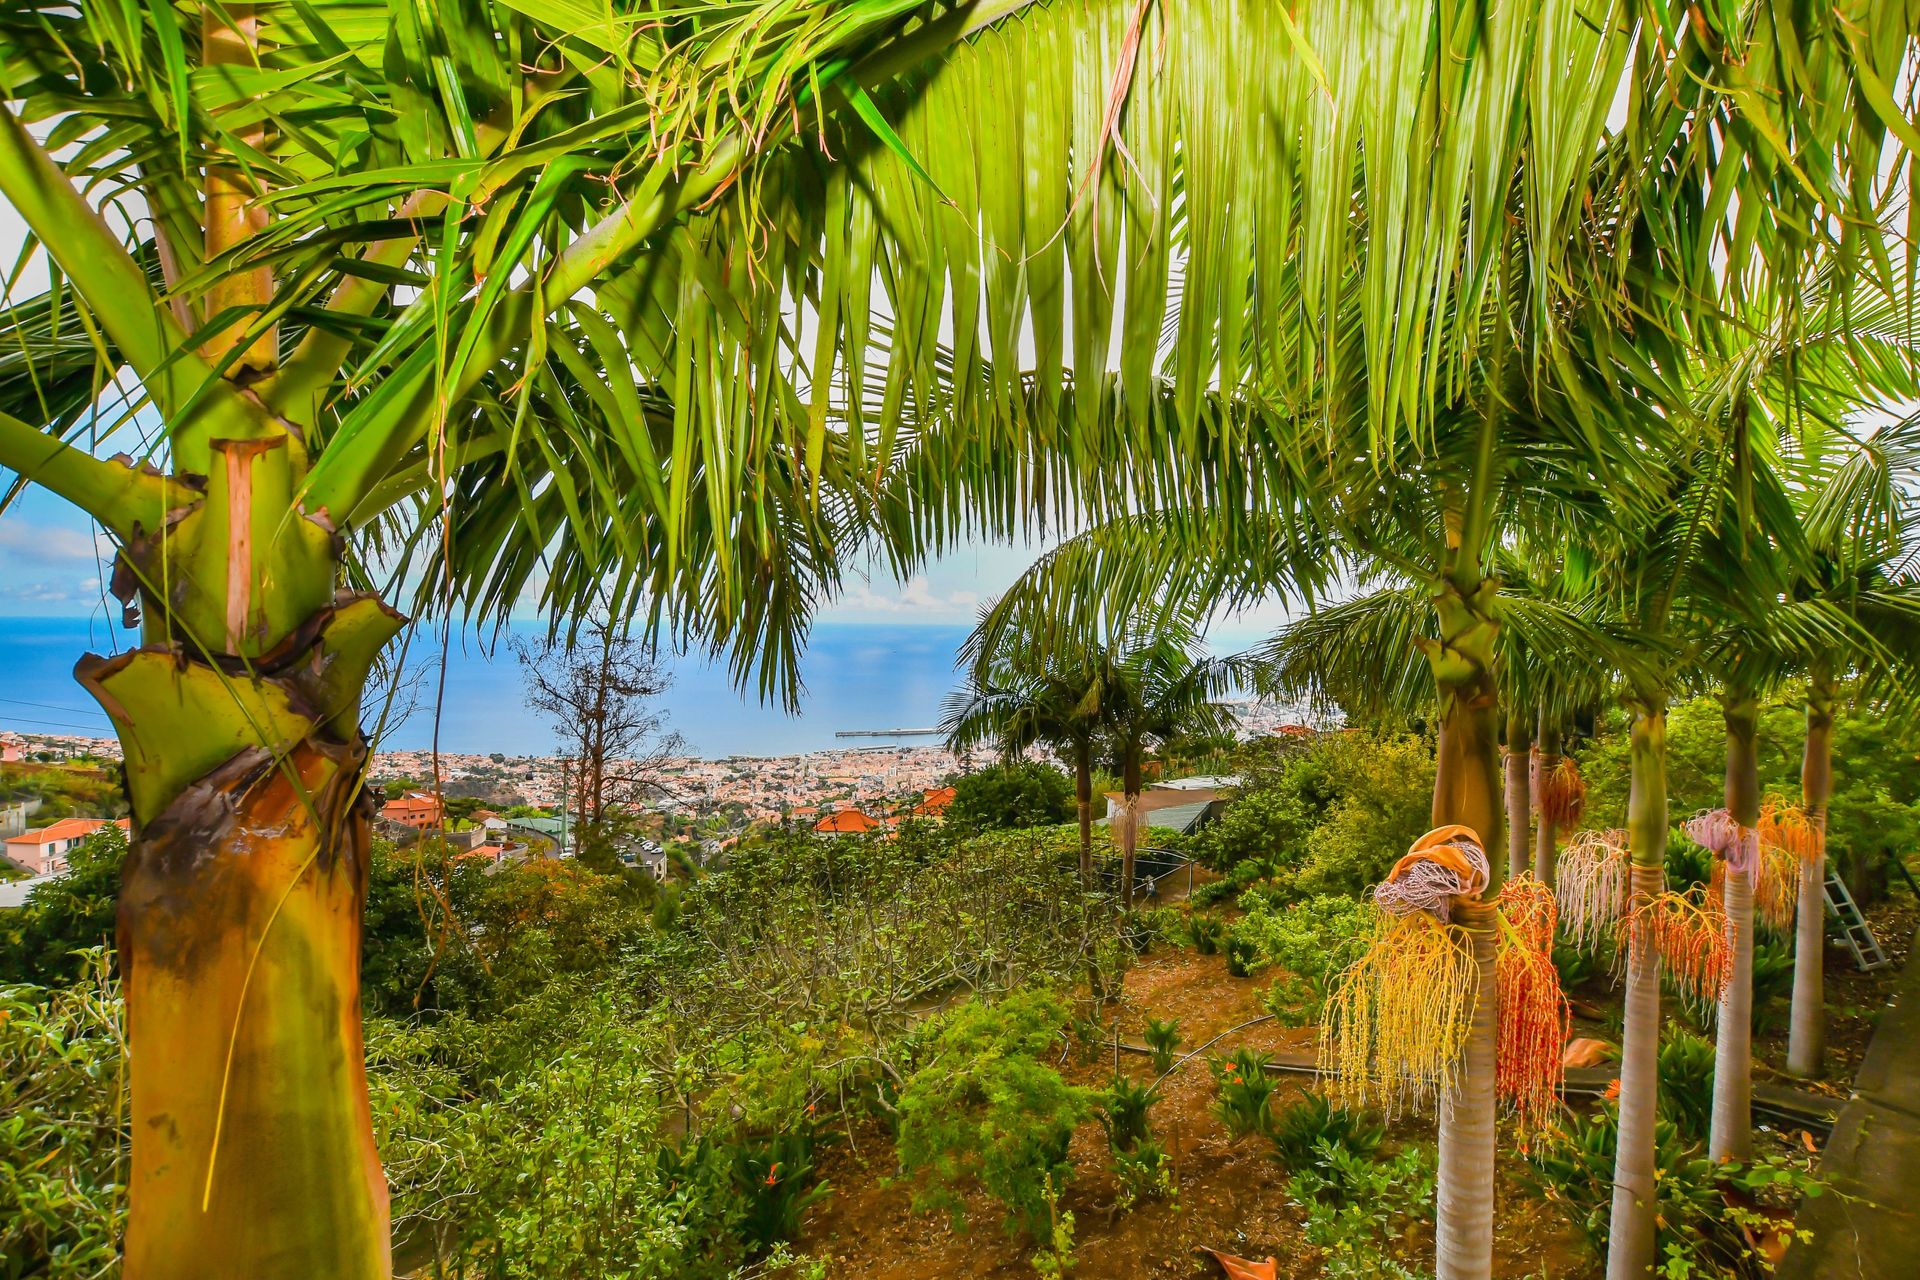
point(1011, 797)
point(54, 939)
point(533, 1141)
point(1206, 933)
point(1123, 1113)
point(63, 1140)
point(1686, 1083)
point(1164, 1039)
point(1144, 1173)
point(1303, 1126)
point(1243, 1088)
point(1242, 956)
point(1313, 940)
point(1331, 819)
point(984, 1107)
point(1360, 1208)
point(1707, 1213)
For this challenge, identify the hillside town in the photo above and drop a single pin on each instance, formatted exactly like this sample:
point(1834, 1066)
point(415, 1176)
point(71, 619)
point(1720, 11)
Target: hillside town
point(496, 806)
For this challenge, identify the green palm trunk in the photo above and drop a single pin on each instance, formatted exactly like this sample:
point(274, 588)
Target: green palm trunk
point(1630, 1235)
point(1731, 1134)
point(1467, 790)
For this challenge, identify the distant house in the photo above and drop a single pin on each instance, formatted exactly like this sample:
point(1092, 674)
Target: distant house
point(846, 822)
point(1185, 804)
point(43, 850)
point(413, 810)
point(12, 748)
point(934, 802)
point(491, 853)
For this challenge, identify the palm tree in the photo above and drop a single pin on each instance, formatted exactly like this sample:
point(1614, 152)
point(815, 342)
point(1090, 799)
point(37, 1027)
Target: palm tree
point(356, 302)
point(350, 310)
point(1014, 702)
point(1861, 557)
point(1163, 688)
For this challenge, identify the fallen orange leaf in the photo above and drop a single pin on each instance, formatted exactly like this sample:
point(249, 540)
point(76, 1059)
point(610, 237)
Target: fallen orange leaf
point(1241, 1269)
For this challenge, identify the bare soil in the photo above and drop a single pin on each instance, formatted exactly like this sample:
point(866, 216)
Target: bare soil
point(1232, 1192)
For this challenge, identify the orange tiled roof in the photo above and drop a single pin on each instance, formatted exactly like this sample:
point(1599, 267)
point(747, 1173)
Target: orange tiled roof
point(846, 821)
point(935, 802)
point(65, 829)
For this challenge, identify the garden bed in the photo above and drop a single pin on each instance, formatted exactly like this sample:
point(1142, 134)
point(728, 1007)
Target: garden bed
point(1232, 1193)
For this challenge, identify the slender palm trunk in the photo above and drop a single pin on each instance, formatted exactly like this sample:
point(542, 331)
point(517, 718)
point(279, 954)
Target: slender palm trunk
point(1630, 1237)
point(1807, 1033)
point(1731, 1136)
point(1545, 835)
point(1129, 824)
point(1467, 790)
point(1519, 792)
point(1083, 801)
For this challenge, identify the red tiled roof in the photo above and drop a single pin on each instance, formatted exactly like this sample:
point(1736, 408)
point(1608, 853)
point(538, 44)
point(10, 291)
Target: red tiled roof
point(936, 801)
point(847, 820)
point(65, 829)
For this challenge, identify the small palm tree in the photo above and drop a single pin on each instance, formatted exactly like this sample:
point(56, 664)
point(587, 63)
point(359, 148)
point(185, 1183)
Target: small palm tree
point(1163, 689)
point(1059, 702)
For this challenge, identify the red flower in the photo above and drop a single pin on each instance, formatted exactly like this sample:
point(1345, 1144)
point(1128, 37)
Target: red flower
point(773, 1173)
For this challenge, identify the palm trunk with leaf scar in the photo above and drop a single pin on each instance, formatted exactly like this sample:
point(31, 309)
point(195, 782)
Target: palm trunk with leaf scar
point(239, 919)
point(1807, 1033)
point(1467, 791)
point(1731, 1135)
point(1129, 823)
point(1630, 1237)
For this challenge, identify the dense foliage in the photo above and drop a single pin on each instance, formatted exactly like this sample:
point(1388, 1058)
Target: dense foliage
point(1875, 810)
point(1329, 818)
point(50, 939)
point(1009, 797)
point(985, 1106)
point(566, 1082)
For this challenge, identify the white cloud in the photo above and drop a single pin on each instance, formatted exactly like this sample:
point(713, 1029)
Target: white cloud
point(916, 598)
point(49, 543)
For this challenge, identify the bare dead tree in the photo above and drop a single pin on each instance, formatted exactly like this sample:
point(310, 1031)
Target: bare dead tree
point(601, 694)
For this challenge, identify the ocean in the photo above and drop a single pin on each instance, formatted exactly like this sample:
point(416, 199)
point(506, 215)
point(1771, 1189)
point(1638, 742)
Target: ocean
point(858, 676)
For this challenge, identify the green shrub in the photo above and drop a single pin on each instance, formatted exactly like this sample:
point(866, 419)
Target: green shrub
point(54, 939)
point(1686, 1083)
point(1242, 956)
point(1299, 1129)
point(1164, 1039)
point(984, 1107)
point(1206, 933)
point(1360, 1209)
point(1123, 1113)
point(1242, 1090)
point(1330, 818)
point(1010, 797)
point(1315, 936)
point(63, 1106)
point(1144, 1173)
point(1705, 1211)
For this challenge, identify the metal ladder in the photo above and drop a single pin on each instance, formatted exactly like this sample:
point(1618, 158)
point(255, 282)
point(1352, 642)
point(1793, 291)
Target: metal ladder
point(1854, 930)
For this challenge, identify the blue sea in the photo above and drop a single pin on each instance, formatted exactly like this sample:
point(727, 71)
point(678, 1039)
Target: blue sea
point(858, 676)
